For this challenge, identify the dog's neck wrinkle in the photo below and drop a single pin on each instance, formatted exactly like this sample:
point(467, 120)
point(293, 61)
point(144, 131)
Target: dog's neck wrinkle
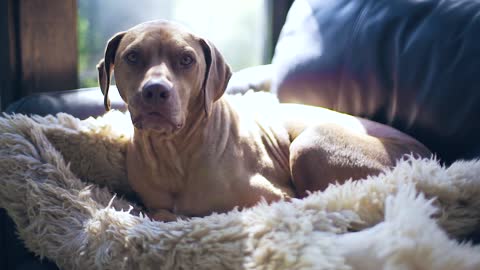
point(204, 135)
point(161, 157)
point(192, 131)
point(220, 122)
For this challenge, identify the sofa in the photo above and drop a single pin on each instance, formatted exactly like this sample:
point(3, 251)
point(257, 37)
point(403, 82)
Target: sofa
point(406, 63)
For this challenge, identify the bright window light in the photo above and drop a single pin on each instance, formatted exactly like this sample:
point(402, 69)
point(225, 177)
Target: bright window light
point(237, 28)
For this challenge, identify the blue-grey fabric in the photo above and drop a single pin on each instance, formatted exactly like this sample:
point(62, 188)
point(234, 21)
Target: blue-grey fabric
point(13, 254)
point(412, 64)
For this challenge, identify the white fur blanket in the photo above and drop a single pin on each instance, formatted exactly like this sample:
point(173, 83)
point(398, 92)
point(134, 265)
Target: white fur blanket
point(57, 174)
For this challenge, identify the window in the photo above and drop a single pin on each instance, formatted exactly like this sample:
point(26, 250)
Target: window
point(237, 28)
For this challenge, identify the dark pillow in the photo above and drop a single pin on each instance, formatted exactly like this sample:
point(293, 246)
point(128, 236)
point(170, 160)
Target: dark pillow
point(411, 64)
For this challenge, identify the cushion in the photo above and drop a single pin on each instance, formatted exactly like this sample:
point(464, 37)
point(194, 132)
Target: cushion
point(408, 64)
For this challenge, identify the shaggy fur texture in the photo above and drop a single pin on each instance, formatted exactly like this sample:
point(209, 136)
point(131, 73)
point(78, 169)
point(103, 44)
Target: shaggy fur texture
point(57, 174)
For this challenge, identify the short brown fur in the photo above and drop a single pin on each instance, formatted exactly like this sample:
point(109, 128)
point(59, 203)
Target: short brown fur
point(193, 153)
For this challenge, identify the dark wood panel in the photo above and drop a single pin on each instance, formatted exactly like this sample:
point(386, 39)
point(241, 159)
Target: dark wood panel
point(277, 13)
point(9, 90)
point(48, 48)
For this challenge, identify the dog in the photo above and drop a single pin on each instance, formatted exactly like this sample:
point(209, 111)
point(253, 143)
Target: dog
point(193, 153)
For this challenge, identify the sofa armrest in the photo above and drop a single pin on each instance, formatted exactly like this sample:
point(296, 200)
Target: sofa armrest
point(81, 103)
point(257, 78)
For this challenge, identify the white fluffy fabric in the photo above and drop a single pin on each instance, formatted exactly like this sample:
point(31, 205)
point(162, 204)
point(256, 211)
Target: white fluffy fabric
point(57, 175)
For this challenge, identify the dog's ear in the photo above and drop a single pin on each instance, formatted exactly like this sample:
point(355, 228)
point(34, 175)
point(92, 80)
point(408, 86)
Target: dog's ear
point(217, 75)
point(105, 67)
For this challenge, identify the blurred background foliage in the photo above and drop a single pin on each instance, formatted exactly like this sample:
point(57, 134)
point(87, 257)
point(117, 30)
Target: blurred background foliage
point(237, 28)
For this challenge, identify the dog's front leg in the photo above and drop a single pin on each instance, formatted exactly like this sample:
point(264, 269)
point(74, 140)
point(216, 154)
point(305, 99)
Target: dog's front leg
point(329, 153)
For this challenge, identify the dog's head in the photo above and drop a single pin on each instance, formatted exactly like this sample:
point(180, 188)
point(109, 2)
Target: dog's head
point(164, 73)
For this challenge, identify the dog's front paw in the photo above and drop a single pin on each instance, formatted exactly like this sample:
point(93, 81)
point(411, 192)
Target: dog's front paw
point(162, 215)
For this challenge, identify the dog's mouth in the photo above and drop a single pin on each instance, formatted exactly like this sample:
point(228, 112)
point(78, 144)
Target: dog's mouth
point(157, 121)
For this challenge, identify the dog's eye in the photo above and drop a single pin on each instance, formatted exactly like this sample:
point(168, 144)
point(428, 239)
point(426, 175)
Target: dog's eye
point(186, 61)
point(132, 57)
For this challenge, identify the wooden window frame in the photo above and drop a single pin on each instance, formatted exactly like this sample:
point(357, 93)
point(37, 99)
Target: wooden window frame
point(38, 48)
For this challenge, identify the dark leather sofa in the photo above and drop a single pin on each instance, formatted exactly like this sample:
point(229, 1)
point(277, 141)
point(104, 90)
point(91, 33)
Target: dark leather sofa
point(410, 64)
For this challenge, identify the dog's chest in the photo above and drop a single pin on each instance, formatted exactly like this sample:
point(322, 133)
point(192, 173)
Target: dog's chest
point(223, 184)
point(206, 185)
point(225, 192)
point(238, 171)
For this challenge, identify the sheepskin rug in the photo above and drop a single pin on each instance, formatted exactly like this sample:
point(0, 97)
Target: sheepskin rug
point(58, 177)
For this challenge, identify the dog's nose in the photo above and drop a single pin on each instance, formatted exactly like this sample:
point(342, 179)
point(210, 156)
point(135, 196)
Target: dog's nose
point(154, 91)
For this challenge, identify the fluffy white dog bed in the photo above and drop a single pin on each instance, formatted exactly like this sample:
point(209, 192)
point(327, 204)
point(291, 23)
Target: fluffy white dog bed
point(57, 174)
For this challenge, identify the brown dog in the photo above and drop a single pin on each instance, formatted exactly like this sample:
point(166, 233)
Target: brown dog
point(193, 153)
